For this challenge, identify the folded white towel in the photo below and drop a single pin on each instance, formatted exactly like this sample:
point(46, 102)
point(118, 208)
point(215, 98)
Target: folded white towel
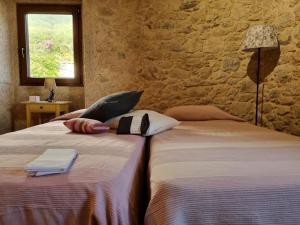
point(52, 161)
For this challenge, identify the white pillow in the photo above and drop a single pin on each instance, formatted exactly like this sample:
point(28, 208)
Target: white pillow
point(158, 122)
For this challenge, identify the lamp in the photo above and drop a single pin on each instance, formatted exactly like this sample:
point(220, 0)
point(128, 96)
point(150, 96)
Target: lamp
point(257, 38)
point(50, 85)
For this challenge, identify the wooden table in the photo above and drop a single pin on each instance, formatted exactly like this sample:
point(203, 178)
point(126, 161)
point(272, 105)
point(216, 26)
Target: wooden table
point(45, 107)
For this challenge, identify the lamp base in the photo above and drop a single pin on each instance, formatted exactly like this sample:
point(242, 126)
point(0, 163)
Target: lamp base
point(50, 96)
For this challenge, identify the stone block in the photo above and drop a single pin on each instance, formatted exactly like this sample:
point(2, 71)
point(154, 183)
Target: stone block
point(274, 94)
point(295, 128)
point(267, 107)
point(231, 64)
point(286, 19)
point(296, 109)
point(296, 56)
point(213, 45)
point(297, 12)
point(279, 125)
point(246, 97)
point(297, 32)
point(189, 5)
point(241, 108)
point(248, 86)
point(284, 100)
point(284, 38)
point(193, 45)
point(283, 110)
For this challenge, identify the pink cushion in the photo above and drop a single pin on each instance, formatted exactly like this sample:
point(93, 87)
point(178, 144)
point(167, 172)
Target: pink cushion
point(86, 126)
point(199, 113)
point(70, 115)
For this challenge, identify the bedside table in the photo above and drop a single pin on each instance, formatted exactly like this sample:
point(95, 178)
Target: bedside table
point(45, 107)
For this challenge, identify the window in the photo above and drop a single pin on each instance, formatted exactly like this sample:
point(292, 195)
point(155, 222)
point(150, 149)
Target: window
point(50, 44)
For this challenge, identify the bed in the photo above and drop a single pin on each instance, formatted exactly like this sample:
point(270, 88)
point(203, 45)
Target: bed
point(223, 172)
point(105, 185)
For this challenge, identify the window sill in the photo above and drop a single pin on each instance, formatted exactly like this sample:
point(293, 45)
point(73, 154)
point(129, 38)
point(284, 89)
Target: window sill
point(59, 82)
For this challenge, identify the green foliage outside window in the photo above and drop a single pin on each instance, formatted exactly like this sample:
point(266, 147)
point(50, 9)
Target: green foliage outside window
point(50, 45)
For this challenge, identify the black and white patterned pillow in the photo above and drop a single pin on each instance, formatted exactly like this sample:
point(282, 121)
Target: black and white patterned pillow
point(142, 122)
point(134, 125)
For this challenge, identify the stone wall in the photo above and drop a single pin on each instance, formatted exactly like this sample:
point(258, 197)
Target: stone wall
point(6, 81)
point(189, 52)
point(111, 47)
point(179, 52)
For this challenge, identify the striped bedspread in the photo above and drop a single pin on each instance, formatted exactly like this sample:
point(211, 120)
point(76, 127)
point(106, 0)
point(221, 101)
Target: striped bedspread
point(224, 173)
point(103, 187)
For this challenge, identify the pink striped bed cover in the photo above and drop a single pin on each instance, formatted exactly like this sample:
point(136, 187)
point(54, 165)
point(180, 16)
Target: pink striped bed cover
point(224, 173)
point(103, 187)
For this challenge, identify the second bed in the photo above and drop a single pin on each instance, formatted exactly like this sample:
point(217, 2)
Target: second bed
point(223, 172)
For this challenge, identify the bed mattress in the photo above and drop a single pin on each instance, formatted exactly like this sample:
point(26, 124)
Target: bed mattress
point(104, 185)
point(223, 173)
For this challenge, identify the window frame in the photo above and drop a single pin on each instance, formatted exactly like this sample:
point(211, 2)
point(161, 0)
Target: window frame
point(71, 9)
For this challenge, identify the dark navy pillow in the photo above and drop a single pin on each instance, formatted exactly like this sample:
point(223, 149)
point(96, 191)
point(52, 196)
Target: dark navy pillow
point(112, 105)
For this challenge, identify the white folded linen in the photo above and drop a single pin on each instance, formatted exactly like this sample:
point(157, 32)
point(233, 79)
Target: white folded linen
point(52, 161)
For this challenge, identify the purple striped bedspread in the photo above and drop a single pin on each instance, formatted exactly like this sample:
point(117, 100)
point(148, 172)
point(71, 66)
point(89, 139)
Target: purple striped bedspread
point(224, 173)
point(103, 186)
